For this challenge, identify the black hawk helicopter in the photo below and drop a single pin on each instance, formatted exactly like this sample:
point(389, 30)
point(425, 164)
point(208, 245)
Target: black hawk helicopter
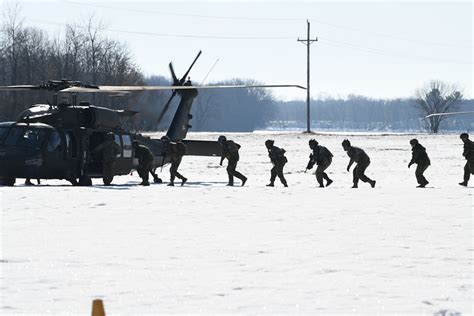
point(57, 141)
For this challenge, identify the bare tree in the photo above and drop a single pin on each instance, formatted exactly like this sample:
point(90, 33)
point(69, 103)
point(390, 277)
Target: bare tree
point(437, 97)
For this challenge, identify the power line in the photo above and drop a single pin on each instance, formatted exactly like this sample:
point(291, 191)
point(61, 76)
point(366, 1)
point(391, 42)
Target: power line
point(323, 42)
point(378, 51)
point(293, 19)
point(180, 35)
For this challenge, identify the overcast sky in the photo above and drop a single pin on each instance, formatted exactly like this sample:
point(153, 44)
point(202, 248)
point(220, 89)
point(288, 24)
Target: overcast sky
point(376, 49)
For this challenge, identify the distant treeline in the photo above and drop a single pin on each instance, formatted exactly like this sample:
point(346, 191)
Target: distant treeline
point(362, 113)
point(29, 56)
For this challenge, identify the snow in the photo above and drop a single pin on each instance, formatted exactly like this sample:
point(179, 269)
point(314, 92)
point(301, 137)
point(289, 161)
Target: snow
point(210, 249)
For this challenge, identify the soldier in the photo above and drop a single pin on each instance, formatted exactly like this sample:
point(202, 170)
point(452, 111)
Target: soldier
point(109, 149)
point(322, 157)
point(230, 150)
point(362, 160)
point(468, 153)
point(145, 161)
point(176, 152)
point(278, 159)
point(420, 157)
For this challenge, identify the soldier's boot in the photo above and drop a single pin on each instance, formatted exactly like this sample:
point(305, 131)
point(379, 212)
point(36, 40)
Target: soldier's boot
point(171, 184)
point(285, 184)
point(244, 180)
point(271, 184)
point(28, 182)
point(231, 181)
point(183, 181)
point(355, 186)
point(464, 183)
point(329, 182)
point(372, 183)
point(156, 179)
point(145, 183)
point(421, 185)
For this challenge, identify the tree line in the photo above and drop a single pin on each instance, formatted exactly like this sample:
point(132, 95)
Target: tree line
point(83, 53)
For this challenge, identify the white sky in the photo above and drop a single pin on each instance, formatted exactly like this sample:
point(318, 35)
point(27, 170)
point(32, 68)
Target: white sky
point(375, 49)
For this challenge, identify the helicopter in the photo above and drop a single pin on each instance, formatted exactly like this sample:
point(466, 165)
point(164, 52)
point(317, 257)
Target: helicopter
point(57, 141)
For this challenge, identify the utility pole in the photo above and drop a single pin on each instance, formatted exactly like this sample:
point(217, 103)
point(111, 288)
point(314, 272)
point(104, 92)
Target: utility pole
point(308, 41)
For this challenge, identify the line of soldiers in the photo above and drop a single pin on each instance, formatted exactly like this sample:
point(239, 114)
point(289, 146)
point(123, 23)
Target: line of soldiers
point(320, 156)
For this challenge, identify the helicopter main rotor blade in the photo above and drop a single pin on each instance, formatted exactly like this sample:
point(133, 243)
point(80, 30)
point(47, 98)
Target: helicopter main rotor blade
point(20, 87)
point(165, 108)
point(449, 113)
point(116, 89)
point(189, 69)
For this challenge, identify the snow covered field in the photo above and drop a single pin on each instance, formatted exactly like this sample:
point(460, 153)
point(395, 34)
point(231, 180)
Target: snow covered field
point(209, 249)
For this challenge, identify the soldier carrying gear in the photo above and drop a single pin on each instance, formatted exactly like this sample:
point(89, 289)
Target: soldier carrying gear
point(176, 152)
point(109, 150)
point(420, 157)
point(362, 160)
point(468, 153)
point(230, 151)
point(322, 157)
point(145, 161)
point(278, 159)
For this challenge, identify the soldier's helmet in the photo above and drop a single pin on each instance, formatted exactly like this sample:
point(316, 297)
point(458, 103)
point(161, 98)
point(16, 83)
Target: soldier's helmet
point(221, 139)
point(464, 136)
point(414, 142)
point(269, 143)
point(110, 136)
point(346, 143)
point(313, 143)
point(165, 139)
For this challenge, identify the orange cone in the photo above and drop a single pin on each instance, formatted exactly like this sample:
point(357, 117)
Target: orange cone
point(98, 308)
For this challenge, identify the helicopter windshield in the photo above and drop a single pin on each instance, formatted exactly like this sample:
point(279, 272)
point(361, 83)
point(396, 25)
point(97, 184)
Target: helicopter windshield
point(3, 132)
point(25, 136)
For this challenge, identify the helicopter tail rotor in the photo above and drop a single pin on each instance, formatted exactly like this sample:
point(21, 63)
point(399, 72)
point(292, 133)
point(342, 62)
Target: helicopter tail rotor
point(176, 82)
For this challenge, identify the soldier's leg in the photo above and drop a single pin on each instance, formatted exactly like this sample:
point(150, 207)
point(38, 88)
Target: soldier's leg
point(273, 176)
point(355, 178)
point(176, 172)
point(108, 173)
point(281, 176)
point(230, 172)
point(420, 178)
point(325, 175)
point(320, 175)
point(361, 167)
point(237, 174)
point(172, 172)
point(467, 172)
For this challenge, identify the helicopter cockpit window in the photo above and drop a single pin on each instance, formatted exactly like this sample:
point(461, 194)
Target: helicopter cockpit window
point(127, 146)
point(3, 133)
point(54, 142)
point(32, 138)
point(117, 140)
point(13, 135)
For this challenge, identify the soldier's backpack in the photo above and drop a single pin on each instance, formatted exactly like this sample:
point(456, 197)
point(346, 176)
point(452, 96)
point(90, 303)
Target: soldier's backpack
point(281, 156)
point(325, 152)
point(233, 147)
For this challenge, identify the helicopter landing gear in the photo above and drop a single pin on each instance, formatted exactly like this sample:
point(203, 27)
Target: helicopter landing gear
point(73, 182)
point(7, 182)
point(85, 181)
point(107, 180)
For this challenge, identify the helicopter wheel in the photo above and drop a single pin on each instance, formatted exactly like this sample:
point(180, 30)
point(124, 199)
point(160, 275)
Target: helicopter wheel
point(85, 181)
point(7, 182)
point(73, 182)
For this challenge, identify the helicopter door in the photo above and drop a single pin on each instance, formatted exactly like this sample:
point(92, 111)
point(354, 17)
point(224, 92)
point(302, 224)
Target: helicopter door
point(54, 165)
point(123, 164)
